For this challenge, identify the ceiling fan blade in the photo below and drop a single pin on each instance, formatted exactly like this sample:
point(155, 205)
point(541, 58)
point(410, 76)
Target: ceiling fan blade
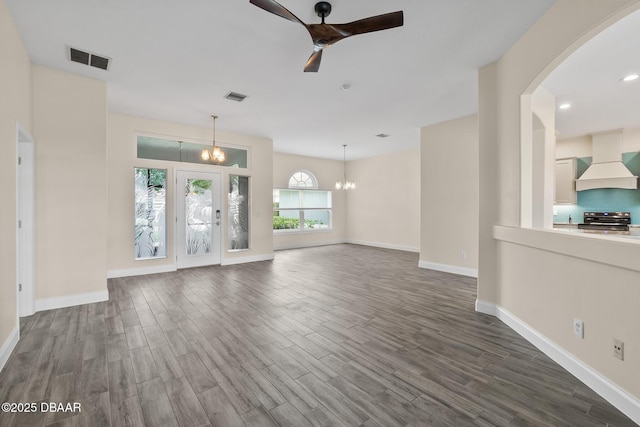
point(277, 9)
point(313, 63)
point(371, 24)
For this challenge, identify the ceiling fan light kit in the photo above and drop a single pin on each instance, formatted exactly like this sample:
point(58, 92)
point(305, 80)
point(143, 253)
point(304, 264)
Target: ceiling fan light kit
point(324, 35)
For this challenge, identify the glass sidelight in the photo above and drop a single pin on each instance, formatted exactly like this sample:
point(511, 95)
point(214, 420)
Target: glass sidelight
point(238, 212)
point(150, 195)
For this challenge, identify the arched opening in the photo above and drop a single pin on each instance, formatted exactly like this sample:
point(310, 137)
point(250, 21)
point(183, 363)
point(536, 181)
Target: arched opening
point(585, 94)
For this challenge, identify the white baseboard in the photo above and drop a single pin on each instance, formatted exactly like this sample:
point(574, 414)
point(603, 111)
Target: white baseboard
point(141, 271)
point(71, 300)
point(463, 271)
point(618, 397)
point(486, 308)
point(306, 245)
point(244, 259)
point(384, 245)
point(8, 346)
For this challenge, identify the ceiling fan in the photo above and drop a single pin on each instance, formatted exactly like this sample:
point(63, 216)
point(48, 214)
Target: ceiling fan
point(324, 35)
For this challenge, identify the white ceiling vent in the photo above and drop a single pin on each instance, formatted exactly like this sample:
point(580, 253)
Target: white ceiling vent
point(88, 58)
point(235, 96)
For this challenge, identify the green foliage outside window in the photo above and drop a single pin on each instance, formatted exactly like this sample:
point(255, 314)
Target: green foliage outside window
point(283, 223)
point(199, 186)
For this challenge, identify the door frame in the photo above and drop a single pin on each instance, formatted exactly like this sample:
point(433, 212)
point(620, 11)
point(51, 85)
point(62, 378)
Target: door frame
point(179, 193)
point(25, 214)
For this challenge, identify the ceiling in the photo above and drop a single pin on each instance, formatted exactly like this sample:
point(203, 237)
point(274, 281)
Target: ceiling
point(591, 81)
point(175, 61)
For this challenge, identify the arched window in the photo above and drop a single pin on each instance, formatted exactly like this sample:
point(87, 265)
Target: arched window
point(303, 179)
point(301, 207)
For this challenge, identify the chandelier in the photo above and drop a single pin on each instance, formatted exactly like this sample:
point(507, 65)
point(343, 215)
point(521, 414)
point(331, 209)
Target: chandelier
point(345, 184)
point(214, 155)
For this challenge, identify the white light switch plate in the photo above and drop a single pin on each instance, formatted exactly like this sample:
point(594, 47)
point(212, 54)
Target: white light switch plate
point(578, 328)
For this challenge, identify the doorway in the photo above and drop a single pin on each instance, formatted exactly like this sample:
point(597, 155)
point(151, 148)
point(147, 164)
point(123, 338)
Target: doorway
point(25, 211)
point(199, 218)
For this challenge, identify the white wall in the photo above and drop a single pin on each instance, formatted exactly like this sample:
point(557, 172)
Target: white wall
point(449, 196)
point(122, 159)
point(327, 173)
point(15, 107)
point(384, 209)
point(542, 280)
point(70, 187)
point(581, 146)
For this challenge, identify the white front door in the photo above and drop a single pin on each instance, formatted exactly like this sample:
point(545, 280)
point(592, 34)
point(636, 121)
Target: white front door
point(199, 218)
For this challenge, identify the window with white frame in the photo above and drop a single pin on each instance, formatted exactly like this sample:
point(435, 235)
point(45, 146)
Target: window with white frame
point(303, 179)
point(301, 207)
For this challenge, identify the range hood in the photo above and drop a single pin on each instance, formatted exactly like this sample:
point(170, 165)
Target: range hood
point(607, 169)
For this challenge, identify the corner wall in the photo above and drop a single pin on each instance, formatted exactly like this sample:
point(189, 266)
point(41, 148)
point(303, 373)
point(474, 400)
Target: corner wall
point(449, 196)
point(384, 209)
point(15, 108)
point(70, 131)
point(327, 172)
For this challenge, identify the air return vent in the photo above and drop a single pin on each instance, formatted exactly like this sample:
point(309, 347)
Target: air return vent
point(87, 58)
point(235, 96)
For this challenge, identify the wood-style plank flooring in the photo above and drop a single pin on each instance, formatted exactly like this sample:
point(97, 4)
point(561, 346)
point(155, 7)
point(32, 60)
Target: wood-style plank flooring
point(339, 335)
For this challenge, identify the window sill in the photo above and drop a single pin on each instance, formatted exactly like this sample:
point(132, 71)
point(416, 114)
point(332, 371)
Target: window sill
point(294, 232)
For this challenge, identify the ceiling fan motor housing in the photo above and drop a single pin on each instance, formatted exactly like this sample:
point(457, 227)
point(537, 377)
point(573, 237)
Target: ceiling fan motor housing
point(323, 9)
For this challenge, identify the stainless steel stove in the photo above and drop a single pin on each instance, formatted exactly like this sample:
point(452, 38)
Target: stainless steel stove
point(606, 222)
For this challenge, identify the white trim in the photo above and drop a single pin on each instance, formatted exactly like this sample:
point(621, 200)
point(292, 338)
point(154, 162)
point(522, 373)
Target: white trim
point(384, 245)
point(447, 268)
point(71, 300)
point(245, 259)
point(8, 346)
point(308, 245)
point(486, 308)
point(141, 271)
point(25, 214)
point(625, 402)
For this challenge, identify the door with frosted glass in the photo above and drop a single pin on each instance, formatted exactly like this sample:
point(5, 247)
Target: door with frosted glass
point(199, 219)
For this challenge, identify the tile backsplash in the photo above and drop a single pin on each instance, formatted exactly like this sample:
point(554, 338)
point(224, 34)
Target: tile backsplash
point(604, 199)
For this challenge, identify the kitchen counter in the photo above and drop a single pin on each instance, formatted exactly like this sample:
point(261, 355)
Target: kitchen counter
point(565, 225)
point(634, 231)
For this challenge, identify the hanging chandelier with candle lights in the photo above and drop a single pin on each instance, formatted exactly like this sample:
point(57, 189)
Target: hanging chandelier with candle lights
point(215, 154)
point(345, 184)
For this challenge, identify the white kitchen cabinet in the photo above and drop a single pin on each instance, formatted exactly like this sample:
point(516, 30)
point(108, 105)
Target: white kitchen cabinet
point(565, 193)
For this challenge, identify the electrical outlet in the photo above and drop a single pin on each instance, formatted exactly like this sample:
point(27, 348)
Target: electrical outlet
point(578, 328)
point(618, 349)
point(463, 255)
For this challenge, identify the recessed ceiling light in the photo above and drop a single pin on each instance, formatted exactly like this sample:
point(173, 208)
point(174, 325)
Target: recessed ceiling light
point(564, 106)
point(630, 77)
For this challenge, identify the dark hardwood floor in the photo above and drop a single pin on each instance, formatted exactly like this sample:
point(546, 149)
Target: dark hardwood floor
point(339, 335)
